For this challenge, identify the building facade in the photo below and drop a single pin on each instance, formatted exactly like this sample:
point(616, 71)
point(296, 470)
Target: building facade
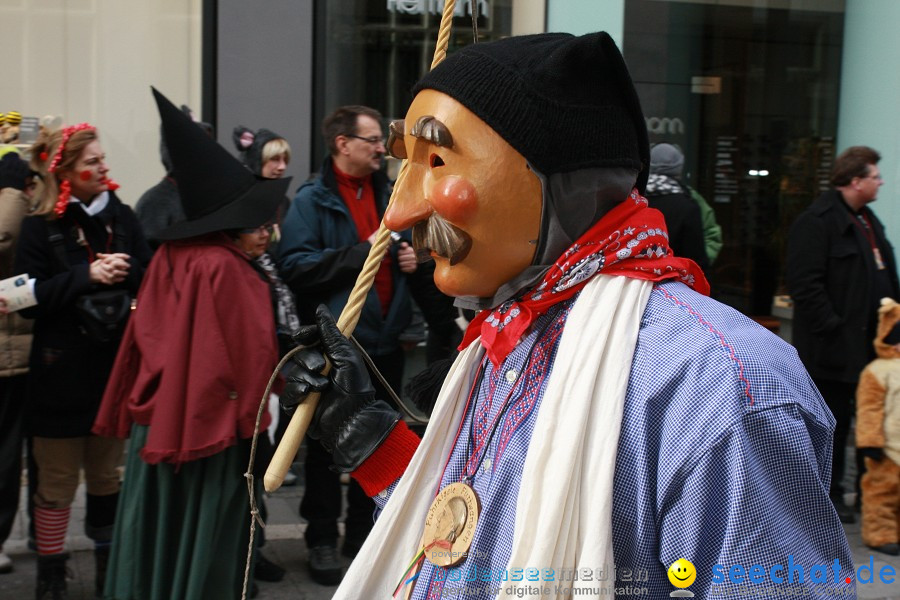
point(760, 94)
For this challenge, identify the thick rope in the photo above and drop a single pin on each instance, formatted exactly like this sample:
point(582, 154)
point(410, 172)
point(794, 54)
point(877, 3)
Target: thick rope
point(290, 442)
point(443, 40)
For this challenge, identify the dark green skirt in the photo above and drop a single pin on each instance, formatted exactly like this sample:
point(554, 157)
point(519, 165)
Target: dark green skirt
point(180, 534)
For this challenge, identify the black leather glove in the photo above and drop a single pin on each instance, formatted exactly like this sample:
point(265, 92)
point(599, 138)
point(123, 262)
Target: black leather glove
point(876, 454)
point(13, 171)
point(349, 421)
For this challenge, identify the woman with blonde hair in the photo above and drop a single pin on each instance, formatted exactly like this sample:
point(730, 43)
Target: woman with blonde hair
point(264, 152)
point(85, 254)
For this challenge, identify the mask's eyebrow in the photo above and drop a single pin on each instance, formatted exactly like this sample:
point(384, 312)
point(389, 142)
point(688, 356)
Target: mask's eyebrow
point(427, 128)
point(431, 130)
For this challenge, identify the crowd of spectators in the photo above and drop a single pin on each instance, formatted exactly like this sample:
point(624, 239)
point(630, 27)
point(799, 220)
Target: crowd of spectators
point(139, 325)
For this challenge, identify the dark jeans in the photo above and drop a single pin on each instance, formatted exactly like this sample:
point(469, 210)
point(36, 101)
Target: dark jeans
point(12, 408)
point(840, 398)
point(321, 505)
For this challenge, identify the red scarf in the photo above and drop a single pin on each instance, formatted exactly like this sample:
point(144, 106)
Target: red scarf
point(631, 240)
point(359, 197)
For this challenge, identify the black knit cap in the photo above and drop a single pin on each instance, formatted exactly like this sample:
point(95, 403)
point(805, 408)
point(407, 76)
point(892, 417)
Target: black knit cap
point(563, 102)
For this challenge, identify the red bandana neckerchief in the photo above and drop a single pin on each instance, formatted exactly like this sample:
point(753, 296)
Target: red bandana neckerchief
point(631, 240)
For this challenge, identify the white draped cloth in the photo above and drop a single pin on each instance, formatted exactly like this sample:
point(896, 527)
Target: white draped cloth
point(564, 507)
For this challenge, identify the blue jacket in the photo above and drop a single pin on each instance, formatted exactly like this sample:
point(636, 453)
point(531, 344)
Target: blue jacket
point(724, 459)
point(320, 256)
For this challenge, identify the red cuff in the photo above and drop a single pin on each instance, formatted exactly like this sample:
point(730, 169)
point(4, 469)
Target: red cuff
point(388, 462)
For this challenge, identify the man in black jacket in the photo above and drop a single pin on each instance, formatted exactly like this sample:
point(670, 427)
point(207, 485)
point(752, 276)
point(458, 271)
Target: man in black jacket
point(839, 266)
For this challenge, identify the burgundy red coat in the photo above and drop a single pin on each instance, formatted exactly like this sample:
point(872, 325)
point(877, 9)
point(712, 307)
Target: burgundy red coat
point(196, 355)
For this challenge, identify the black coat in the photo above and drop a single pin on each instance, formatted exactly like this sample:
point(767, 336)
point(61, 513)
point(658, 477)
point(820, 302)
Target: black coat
point(831, 276)
point(68, 371)
point(684, 225)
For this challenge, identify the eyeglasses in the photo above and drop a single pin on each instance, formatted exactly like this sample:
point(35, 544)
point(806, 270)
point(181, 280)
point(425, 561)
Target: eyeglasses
point(374, 140)
point(875, 177)
point(267, 227)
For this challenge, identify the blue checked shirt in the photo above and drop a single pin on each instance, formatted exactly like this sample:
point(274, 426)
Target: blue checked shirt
point(724, 459)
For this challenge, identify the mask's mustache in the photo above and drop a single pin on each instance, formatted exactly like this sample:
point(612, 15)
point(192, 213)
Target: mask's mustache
point(438, 236)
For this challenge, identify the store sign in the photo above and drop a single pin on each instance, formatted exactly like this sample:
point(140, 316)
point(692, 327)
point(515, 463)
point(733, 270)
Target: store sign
point(665, 125)
point(434, 7)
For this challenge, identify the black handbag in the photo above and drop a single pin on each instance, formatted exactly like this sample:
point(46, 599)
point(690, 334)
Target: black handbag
point(102, 315)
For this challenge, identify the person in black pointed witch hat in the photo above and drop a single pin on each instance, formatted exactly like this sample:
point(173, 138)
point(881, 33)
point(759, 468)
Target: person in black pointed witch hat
point(186, 385)
point(160, 206)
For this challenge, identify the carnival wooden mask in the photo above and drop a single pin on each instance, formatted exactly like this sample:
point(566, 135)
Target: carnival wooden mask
point(473, 203)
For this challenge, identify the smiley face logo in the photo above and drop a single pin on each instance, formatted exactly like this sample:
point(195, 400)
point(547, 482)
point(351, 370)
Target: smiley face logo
point(682, 573)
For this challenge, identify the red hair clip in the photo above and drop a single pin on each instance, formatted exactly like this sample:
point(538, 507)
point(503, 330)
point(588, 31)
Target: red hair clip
point(65, 192)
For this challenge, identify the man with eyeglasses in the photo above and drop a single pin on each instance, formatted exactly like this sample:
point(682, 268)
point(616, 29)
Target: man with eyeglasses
point(326, 236)
point(839, 266)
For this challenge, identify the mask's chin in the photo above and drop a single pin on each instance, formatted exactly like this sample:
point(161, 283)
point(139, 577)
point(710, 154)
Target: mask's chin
point(455, 280)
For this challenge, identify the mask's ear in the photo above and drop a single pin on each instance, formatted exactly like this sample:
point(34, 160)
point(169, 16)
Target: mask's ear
point(242, 138)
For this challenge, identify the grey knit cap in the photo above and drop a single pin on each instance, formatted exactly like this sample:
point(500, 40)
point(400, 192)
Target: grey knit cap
point(666, 159)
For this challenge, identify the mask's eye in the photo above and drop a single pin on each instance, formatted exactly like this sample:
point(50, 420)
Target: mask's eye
point(436, 161)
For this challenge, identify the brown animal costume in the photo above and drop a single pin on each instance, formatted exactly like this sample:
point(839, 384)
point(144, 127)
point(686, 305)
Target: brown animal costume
point(878, 434)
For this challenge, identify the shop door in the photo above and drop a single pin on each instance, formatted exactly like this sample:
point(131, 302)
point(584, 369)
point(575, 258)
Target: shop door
point(749, 91)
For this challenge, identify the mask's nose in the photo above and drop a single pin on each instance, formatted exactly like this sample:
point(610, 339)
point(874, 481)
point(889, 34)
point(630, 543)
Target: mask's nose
point(408, 205)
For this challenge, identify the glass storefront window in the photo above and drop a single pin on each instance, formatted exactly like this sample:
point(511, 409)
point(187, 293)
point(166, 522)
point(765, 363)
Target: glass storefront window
point(371, 52)
point(749, 91)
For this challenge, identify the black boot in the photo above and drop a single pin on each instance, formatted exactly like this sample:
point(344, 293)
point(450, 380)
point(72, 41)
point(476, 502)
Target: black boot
point(100, 517)
point(51, 577)
point(101, 559)
point(98, 525)
point(266, 570)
